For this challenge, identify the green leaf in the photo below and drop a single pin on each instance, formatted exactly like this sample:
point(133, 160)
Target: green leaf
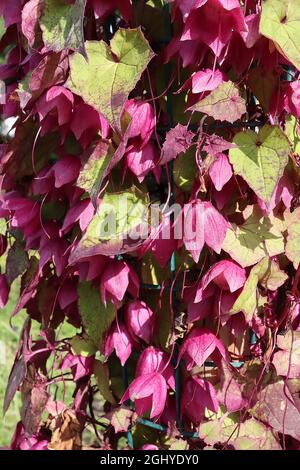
point(274, 278)
point(292, 249)
point(96, 318)
point(280, 22)
point(82, 346)
point(111, 73)
point(260, 159)
point(120, 225)
point(219, 429)
point(3, 226)
point(2, 27)
point(292, 131)
point(91, 175)
point(101, 373)
point(101, 159)
point(17, 262)
point(263, 83)
point(247, 301)
point(258, 237)
point(62, 25)
point(185, 170)
point(174, 443)
point(224, 103)
point(253, 435)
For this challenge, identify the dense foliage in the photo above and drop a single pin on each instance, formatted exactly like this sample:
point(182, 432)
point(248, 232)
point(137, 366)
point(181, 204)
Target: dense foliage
point(122, 106)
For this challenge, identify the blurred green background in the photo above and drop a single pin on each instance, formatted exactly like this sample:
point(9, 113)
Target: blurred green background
point(8, 346)
point(9, 339)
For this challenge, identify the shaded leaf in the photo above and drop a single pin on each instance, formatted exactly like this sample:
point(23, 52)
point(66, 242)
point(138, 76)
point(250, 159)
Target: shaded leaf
point(82, 346)
point(62, 25)
point(185, 170)
point(101, 373)
point(96, 317)
point(18, 159)
point(263, 83)
point(15, 379)
point(16, 262)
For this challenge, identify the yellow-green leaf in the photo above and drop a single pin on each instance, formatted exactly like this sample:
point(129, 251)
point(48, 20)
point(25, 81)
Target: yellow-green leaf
point(257, 237)
point(224, 103)
point(82, 346)
point(62, 25)
point(292, 131)
point(280, 22)
point(120, 225)
point(248, 299)
point(293, 238)
point(111, 73)
point(260, 159)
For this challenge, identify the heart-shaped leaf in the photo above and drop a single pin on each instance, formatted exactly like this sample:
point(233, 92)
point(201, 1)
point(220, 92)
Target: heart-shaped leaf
point(280, 22)
point(260, 159)
point(111, 73)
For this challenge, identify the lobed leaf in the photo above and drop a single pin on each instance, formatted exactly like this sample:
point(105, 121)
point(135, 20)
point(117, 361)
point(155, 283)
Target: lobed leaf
point(111, 73)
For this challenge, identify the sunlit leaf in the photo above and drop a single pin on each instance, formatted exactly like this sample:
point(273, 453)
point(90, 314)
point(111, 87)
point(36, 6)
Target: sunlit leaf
point(120, 225)
point(256, 238)
point(280, 21)
point(248, 299)
point(224, 103)
point(111, 73)
point(292, 244)
point(260, 159)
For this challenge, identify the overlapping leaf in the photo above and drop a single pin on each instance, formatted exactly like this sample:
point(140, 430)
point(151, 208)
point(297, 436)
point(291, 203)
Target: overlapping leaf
point(111, 73)
point(120, 225)
point(62, 25)
point(224, 103)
